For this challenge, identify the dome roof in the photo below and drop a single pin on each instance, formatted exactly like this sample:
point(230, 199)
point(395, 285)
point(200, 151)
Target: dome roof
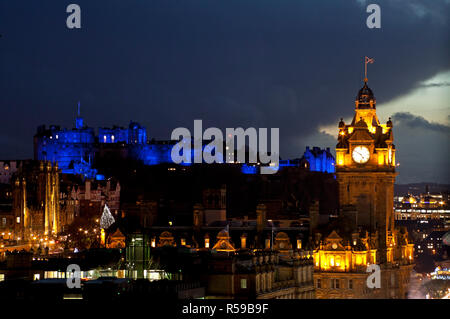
point(389, 123)
point(282, 235)
point(365, 94)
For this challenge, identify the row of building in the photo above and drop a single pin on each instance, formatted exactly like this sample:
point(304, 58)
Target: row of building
point(277, 236)
point(38, 202)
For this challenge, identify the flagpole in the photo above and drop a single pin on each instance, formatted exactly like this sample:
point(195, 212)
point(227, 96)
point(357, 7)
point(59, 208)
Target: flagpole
point(365, 68)
point(366, 60)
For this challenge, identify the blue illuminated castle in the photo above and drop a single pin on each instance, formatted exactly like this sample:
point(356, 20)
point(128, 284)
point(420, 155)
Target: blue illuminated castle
point(320, 160)
point(75, 149)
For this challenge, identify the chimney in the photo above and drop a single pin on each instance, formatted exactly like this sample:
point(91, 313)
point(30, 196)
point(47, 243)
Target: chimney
point(243, 241)
point(299, 243)
point(87, 190)
point(317, 238)
point(207, 242)
point(267, 242)
point(260, 217)
point(198, 216)
point(313, 215)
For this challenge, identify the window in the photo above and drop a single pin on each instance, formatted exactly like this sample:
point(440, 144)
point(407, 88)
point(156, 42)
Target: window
point(244, 283)
point(18, 220)
point(392, 280)
point(319, 283)
point(358, 260)
point(350, 284)
point(4, 222)
point(334, 283)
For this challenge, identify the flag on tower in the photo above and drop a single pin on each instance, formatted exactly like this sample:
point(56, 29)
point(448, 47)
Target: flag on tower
point(369, 60)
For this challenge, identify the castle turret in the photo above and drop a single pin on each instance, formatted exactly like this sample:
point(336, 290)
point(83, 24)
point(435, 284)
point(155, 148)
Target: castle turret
point(79, 120)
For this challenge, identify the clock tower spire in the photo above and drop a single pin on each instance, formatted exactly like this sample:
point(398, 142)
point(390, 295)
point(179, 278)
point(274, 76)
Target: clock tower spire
point(365, 167)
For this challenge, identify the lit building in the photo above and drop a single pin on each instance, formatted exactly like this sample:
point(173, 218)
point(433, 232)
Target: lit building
point(7, 169)
point(89, 199)
point(365, 171)
point(75, 150)
point(319, 160)
point(36, 200)
point(242, 260)
point(433, 243)
point(424, 206)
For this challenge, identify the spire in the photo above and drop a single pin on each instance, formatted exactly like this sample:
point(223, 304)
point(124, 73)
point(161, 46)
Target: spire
point(79, 120)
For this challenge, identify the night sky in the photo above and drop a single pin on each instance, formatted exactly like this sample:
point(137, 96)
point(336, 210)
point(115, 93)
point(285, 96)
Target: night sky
point(296, 65)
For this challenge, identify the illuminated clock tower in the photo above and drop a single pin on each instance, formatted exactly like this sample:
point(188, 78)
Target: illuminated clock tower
point(365, 167)
point(364, 234)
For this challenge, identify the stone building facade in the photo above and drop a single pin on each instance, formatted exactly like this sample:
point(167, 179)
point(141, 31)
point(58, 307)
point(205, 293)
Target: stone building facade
point(36, 208)
point(88, 199)
point(242, 259)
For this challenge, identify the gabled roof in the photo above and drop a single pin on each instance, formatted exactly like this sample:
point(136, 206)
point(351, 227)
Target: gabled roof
point(117, 234)
point(361, 135)
point(334, 236)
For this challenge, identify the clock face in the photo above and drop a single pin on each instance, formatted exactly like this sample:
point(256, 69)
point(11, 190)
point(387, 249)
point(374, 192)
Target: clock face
point(361, 154)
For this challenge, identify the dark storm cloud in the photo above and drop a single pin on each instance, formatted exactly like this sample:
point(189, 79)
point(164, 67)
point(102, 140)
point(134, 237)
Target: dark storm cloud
point(422, 149)
point(419, 122)
point(289, 64)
